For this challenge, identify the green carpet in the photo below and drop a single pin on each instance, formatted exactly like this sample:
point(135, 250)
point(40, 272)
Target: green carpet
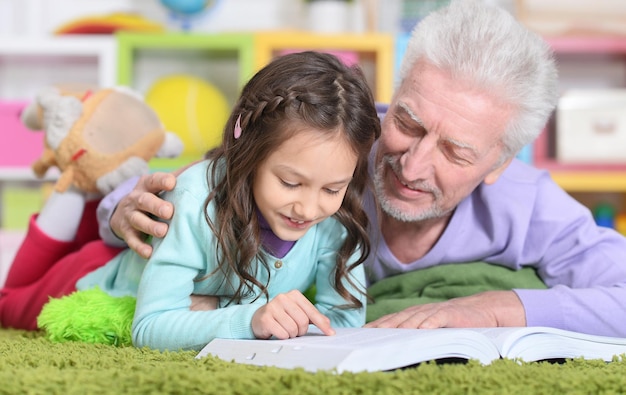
point(30, 364)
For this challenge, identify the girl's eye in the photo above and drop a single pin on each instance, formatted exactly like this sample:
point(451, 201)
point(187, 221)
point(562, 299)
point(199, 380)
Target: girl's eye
point(332, 191)
point(288, 185)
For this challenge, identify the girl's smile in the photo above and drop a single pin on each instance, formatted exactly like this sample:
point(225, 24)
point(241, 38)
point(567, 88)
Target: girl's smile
point(303, 182)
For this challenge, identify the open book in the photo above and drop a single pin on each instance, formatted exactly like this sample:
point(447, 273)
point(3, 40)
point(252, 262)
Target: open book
point(379, 349)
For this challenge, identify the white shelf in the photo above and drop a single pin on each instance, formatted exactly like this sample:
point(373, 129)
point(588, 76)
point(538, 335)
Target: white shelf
point(29, 64)
point(58, 45)
point(20, 174)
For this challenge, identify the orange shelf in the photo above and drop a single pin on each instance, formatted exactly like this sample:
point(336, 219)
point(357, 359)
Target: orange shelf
point(375, 48)
point(579, 177)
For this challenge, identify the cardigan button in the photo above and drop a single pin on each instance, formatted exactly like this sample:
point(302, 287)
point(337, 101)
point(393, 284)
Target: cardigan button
point(278, 264)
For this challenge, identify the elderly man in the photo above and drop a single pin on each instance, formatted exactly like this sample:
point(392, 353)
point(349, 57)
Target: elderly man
point(475, 87)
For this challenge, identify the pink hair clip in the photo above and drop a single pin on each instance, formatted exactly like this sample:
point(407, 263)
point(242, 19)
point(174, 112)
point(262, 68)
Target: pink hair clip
point(238, 127)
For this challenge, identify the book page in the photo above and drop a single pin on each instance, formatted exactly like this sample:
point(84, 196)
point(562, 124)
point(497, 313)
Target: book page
point(540, 343)
point(357, 349)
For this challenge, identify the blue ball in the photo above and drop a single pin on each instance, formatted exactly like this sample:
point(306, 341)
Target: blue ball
point(186, 7)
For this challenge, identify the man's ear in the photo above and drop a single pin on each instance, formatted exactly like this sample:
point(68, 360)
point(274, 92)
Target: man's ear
point(497, 172)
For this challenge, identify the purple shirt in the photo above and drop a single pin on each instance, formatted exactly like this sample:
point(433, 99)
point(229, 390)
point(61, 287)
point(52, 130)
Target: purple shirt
point(272, 243)
point(525, 219)
point(105, 211)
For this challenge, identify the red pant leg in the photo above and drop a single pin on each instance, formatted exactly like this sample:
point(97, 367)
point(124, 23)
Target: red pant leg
point(88, 228)
point(38, 252)
point(36, 255)
point(20, 306)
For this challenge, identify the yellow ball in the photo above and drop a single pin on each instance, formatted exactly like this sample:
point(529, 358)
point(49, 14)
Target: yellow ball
point(192, 108)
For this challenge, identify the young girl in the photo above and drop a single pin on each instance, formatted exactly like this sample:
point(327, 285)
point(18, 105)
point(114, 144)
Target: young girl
point(272, 211)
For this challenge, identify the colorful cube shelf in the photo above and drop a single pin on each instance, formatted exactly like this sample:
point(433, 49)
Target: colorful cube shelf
point(373, 51)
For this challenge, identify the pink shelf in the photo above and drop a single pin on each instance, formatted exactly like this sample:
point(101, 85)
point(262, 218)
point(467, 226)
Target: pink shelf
point(543, 160)
point(20, 147)
point(599, 45)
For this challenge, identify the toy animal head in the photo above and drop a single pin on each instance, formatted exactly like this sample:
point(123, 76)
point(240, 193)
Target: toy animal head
point(97, 138)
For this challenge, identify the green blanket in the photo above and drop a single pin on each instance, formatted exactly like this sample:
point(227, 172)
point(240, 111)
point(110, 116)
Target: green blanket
point(95, 317)
point(439, 283)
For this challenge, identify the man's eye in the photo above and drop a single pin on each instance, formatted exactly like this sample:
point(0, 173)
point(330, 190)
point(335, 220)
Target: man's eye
point(458, 159)
point(400, 124)
point(410, 128)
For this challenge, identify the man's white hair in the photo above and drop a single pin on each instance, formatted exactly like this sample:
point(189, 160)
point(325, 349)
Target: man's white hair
point(487, 47)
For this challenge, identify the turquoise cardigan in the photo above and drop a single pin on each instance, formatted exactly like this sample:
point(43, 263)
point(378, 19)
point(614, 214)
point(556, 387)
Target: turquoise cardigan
point(181, 259)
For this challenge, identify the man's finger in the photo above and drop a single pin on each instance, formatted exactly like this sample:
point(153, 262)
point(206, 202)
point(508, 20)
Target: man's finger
point(388, 321)
point(139, 246)
point(153, 204)
point(140, 224)
point(159, 181)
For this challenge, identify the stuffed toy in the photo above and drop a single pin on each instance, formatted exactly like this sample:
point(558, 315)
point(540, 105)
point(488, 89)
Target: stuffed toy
point(88, 316)
point(97, 138)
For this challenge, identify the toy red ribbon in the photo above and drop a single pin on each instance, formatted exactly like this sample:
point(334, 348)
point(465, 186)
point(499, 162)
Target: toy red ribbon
point(86, 95)
point(78, 154)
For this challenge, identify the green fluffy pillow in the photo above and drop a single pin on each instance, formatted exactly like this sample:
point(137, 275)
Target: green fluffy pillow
point(90, 316)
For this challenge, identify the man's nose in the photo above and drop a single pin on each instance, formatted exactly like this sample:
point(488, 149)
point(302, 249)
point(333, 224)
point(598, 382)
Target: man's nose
point(418, 161)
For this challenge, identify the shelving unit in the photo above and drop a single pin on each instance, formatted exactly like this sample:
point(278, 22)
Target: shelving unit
point(137, 60)
point(26, 66)
point(225, 60)
point(144, 57)
point(228, 60)
point(582, 178)
point(375, 53)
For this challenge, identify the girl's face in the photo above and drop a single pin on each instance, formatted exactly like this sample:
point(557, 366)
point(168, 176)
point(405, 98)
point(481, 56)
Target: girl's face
point(303, 182)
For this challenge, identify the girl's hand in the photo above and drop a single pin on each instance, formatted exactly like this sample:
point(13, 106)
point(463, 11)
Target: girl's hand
point(288, 315)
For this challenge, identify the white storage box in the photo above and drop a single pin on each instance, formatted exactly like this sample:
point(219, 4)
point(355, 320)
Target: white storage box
point(591, 126)
point(573, 17)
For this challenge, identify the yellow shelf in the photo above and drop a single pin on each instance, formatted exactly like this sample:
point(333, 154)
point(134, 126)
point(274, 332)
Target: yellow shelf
point(596, 181)
point(374, 47)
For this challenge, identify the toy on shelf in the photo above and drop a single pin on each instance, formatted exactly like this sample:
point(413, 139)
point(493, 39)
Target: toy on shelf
point(604, 214)
point(185, 12)
point(109, 24)
point(97, 138)
point(193, 107)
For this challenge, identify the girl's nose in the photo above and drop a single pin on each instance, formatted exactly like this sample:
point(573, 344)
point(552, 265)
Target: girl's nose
point(306, 207)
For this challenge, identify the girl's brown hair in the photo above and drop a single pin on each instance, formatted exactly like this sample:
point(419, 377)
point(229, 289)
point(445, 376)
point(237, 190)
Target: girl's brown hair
point(309, 90)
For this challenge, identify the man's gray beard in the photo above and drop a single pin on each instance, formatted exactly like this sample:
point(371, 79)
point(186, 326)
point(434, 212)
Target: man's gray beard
point(388, 208)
